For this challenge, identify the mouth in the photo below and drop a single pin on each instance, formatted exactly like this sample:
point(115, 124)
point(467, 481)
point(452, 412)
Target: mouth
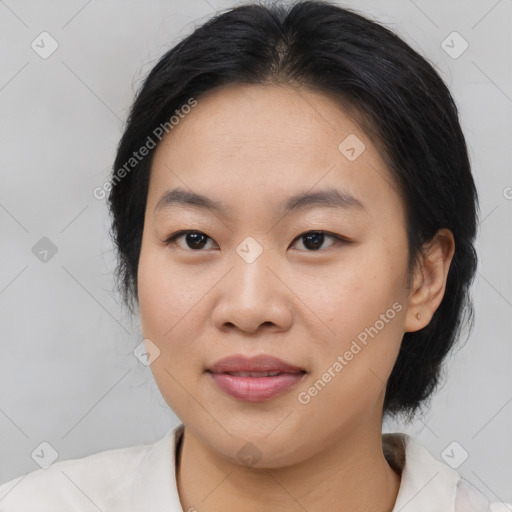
point(255, 379)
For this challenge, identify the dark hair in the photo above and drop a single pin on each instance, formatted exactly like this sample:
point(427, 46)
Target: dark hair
point(400, 100)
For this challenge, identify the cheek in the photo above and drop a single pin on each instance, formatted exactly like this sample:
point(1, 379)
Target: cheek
point(357, 291)
point(172, 302)
point(364, 309)
point(154, 299)
point(364, 302)
point(168, 315)
point(167, 294)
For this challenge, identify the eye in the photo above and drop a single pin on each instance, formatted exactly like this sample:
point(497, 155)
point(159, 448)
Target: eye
point(313, 240)
point(193, 239)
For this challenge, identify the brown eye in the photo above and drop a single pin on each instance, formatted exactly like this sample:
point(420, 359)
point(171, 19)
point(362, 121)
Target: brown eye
point(313, 240)
point(194, 240)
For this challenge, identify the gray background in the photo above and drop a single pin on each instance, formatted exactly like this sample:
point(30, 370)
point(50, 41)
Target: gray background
point(67, 372)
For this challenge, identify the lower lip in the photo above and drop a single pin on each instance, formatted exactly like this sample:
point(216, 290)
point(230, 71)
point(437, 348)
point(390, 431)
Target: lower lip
point(256, 389)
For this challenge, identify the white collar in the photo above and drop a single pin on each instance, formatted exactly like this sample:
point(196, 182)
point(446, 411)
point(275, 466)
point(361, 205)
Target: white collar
point(427, 484)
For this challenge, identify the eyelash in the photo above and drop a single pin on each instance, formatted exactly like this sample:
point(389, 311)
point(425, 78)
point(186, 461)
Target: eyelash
point(338, 239)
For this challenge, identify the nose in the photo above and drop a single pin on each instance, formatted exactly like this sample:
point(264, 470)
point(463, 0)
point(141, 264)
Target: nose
point(253, 298)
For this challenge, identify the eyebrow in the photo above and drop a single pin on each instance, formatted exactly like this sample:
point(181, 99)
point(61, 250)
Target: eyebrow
point(328, 198)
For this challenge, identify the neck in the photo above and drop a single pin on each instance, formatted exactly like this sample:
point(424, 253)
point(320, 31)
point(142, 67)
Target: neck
point(351, 474)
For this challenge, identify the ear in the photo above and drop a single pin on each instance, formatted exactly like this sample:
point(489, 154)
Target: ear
point(429, 280)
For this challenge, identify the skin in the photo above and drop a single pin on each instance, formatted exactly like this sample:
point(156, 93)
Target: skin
point(252, 147)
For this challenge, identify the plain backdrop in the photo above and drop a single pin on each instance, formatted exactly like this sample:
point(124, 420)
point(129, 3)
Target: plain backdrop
point(67, 372)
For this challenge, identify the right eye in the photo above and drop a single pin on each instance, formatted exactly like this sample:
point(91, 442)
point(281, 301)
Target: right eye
point(195, 240)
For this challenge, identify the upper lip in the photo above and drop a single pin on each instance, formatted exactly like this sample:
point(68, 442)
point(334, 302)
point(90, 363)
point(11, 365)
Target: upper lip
point(261, 363)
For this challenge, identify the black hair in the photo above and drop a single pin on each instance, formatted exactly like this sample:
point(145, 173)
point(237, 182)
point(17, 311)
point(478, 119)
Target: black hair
point(400, 99)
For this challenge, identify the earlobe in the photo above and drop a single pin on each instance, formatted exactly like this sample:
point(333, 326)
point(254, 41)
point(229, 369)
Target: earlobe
point(429, 280)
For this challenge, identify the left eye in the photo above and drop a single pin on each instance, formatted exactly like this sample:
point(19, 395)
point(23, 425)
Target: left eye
point(313, 240)
point(196, 240)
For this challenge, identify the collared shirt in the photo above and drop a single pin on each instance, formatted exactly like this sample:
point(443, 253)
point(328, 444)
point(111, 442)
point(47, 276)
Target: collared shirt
point(143, 479)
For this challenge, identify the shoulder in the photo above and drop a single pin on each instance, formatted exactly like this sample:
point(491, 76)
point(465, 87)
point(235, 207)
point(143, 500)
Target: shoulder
point(72, 482)
point(428, 483)
point(104, 481)
point(471, 499)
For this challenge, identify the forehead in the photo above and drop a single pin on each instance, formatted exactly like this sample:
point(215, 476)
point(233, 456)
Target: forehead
point(256, 144)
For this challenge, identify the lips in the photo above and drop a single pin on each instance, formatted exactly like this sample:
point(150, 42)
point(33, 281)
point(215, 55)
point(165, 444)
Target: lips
point(258, 366)
point(255, 379)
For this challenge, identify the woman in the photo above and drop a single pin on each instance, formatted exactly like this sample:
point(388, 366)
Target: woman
point(294, 213)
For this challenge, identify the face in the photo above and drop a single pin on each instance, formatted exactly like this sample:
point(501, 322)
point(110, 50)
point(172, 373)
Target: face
point(318, 282)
